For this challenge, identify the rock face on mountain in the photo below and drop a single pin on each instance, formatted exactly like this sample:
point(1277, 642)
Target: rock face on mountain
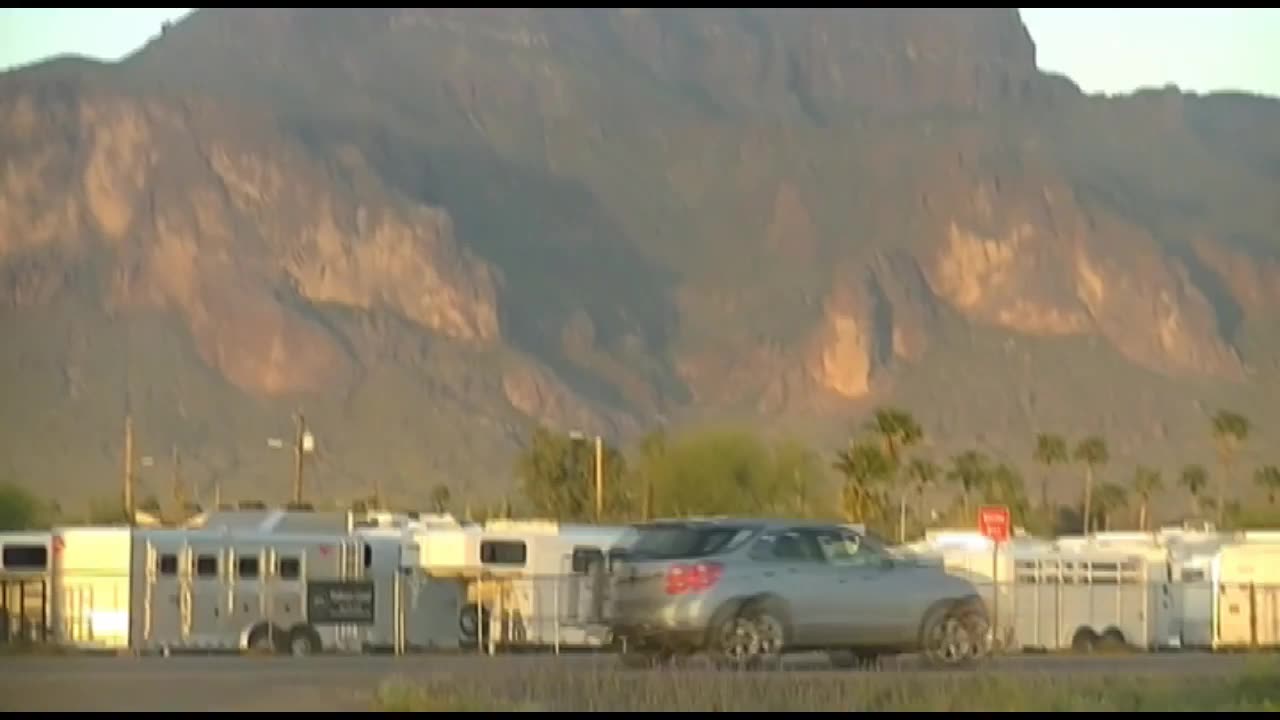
point(432, 227)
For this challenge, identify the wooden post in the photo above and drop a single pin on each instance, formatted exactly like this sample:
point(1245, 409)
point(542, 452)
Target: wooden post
point(128, 469)
point(599, 478)
point(179, 491)
point(301, 423)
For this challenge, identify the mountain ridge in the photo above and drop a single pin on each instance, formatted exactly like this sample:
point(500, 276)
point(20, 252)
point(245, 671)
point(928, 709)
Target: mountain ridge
point(771, 218)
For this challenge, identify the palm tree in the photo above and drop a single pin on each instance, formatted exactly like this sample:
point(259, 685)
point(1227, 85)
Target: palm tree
point(1092, 451)
point(923, 473)
point(970, 471)
point(1194, 478)
point(1050, 450)
point(864, 467)
point(1111, 497)
point(1146, 483)
point(1268, 478)
point(1230, 430)
point(898, 431)
point(440, 499)
point(1005, 486)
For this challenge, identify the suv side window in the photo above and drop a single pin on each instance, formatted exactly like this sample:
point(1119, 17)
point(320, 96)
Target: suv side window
point(786, 546)
point(846, 548)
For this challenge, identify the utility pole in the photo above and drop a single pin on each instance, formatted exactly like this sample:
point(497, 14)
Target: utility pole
point(128, 469)
point(179, 492)
point(599, 478)
point(301, 423)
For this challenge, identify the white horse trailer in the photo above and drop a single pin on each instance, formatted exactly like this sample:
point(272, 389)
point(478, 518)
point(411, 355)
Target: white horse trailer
point(424, 610)
point(1246, 597)
point(26, 573)
point(530, 583)
point(1091, 599)
point(270, 592)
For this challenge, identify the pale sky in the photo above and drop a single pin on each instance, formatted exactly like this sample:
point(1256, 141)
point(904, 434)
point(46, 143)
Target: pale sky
point(1103, 50)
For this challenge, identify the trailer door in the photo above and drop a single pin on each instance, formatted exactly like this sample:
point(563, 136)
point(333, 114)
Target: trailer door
point(169, 593)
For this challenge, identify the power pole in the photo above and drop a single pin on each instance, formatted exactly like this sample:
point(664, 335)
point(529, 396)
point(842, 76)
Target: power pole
point(179, 492)
point(297, 458)
point(599, 478)
point(128, 469)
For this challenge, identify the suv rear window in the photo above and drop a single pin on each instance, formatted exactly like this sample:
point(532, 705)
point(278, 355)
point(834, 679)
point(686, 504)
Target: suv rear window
point(678, 542)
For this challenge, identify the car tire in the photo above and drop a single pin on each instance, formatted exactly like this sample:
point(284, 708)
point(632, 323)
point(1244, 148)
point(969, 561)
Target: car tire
point(946, 642)
point(753, 638)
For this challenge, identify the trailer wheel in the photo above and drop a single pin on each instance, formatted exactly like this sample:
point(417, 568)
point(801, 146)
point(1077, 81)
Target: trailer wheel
point(266, 638)
point(1112, 640)
point(470, 621)
point(303, 640)
point(1084, 641)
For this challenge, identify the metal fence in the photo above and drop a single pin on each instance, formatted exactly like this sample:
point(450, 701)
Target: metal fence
point(553, 612)
point(24, 610)
point(1034, 610)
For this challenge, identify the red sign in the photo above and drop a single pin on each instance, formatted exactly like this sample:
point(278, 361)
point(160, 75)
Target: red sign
point(994, 522)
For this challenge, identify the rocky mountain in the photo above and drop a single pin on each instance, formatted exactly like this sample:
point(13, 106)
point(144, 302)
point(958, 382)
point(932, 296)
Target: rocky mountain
point(429, 228)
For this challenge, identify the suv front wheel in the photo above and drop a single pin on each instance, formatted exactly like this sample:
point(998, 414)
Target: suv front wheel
point(955, 638)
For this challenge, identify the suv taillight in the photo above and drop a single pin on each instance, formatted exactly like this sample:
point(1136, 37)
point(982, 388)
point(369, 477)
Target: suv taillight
point(693, 578)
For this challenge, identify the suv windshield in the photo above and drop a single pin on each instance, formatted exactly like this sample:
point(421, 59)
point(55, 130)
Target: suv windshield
point(676, 542)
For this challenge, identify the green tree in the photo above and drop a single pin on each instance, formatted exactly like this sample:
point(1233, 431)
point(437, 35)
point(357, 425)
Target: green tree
point(924, 474)
point(970, 471)
point(1092, 451)
point(1004, 486)
point(898, 431)
point(1230, 430)
point(439, 498)
point(1050, 450)
point(1111, 499)
point(556, 473)
point(864, 469)
point(1146, 483)
point(22, 510)
point(799, 473)
point(721, 472)
point(1194, 478)
point(1268, 478)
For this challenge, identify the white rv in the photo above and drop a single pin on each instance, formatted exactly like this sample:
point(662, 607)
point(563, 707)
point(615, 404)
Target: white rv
point(26, 572)
point(530, 582)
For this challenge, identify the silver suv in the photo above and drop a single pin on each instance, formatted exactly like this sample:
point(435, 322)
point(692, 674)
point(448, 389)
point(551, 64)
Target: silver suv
point(747, 591)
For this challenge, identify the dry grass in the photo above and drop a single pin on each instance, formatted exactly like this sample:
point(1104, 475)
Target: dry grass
point(588, 689)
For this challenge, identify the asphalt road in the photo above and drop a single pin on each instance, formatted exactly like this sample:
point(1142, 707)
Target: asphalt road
point(348, 683)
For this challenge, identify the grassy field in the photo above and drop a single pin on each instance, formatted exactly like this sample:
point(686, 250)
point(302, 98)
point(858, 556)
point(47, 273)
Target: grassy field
point(561, 690)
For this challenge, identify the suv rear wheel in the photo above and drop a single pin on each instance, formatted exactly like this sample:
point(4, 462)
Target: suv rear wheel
point(751, 638)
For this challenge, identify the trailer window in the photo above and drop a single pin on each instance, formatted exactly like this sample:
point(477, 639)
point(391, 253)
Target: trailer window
point(247, 567)
point(502, 552)
point(25, 557)
point(290, 568)
point(585, 557)
point(368, 556)
point(207, 566)
point(167, 564)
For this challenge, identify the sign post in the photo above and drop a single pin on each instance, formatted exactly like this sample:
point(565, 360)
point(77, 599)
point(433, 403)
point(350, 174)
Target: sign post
point(995, 524)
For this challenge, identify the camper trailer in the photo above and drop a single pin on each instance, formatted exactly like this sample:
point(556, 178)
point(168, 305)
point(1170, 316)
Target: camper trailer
point(26, 573)
point(529, 583)
point(423, 609)
point(1246, 596)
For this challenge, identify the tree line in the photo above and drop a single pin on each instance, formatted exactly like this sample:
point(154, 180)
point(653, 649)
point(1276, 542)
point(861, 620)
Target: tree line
point(884, 476)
